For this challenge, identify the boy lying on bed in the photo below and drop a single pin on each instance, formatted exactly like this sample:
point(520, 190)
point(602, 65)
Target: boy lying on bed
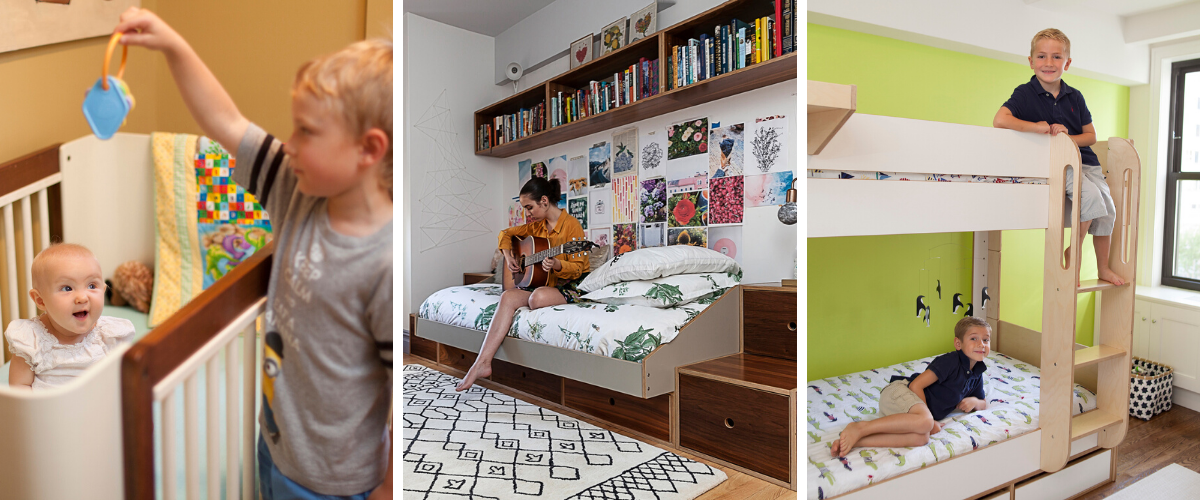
point(912, 406)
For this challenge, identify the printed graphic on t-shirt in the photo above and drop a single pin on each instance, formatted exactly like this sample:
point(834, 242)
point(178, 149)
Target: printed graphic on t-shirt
point(272, 367)
point(296, 292)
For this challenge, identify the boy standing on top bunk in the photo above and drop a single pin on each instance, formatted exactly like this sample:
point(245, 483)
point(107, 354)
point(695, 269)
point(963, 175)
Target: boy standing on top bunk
point(1047, 105)
point(913, 406)
point(327, 375)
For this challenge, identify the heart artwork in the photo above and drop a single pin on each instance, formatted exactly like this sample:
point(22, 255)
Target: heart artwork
point(580, 54)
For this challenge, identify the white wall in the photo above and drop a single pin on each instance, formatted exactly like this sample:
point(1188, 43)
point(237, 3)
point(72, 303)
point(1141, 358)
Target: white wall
point(996, 29)
point(447, 71)
point(769, 246)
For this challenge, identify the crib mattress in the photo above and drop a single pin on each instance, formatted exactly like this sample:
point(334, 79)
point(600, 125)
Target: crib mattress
point(1012, 387)
point(626, 332)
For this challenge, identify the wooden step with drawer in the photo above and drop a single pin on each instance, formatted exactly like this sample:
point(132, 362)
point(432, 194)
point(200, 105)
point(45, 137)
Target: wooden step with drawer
point(740, 411)
point(769, 320)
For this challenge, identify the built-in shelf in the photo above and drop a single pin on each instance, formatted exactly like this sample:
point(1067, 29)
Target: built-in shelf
point(657, 46)
point(1096, 285)
point(1092, 422)
point(829, 106)
point(1096, 354)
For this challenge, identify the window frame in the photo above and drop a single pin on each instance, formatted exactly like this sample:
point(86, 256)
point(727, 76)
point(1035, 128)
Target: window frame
point(1179, 72)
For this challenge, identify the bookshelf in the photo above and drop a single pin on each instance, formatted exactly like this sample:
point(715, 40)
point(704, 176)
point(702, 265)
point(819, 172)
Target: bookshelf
point(657, 46)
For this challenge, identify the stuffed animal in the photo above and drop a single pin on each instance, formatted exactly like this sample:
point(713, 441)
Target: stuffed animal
point(133, 283)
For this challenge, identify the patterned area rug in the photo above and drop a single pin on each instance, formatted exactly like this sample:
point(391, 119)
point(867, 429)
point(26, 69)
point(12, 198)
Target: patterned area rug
point(480, 444)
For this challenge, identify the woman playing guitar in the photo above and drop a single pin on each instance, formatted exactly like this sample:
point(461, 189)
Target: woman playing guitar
point(540, 198)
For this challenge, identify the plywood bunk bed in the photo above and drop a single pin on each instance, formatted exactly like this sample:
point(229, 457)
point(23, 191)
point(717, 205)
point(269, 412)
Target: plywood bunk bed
point(133, 442)
point(1018, 183)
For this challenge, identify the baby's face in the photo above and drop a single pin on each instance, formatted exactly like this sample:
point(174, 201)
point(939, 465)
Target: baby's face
point(72, 293)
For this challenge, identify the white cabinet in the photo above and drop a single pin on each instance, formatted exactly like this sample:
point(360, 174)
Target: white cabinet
point(1171, 335)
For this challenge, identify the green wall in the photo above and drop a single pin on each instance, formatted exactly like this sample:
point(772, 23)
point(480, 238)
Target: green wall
point(862, 290)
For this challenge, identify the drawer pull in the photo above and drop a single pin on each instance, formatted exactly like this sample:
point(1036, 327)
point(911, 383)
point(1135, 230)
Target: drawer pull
point(612, 402)
point(729, 423)
point(792, 326)
point(522, 374)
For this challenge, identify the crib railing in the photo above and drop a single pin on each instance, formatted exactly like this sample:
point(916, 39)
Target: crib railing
point(171, 355)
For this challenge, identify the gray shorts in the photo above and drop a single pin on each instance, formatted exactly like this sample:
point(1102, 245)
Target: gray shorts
point(1097, 203)
point(897, 398)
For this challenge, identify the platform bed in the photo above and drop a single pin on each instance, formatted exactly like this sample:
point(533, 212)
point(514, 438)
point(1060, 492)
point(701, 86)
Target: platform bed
point(1067, 455)
point(715, 332)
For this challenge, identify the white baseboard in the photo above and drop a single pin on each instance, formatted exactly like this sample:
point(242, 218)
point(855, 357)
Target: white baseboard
point(1185, 398)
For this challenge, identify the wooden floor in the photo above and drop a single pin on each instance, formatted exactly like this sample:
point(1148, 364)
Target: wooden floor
point(738, 486)
point(1170, 437)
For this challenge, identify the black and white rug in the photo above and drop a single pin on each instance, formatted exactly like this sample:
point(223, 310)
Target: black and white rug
point(480, 444)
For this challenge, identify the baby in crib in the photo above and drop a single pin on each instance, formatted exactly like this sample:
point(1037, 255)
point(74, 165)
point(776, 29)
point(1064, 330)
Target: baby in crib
point(70, 335)
point(912, 406)
point(1047, 105)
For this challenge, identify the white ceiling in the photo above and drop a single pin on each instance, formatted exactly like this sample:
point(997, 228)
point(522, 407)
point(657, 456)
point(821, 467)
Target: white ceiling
point(486, 17)
point(1116, 7)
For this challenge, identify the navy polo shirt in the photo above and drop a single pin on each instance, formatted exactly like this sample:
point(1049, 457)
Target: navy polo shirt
point(955, 381)
point(1030, 102)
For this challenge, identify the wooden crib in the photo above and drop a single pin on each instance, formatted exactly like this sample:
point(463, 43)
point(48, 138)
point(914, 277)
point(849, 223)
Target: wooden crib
point(96, 438)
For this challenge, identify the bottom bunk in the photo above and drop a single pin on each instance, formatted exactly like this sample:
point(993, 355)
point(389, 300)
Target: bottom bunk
point(705, 331)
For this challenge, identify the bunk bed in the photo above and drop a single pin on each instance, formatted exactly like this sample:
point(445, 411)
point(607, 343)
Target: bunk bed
point(136, 443)
point(876, 175)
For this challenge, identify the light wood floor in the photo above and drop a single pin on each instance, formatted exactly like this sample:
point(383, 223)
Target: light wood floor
point(1170, 437)
point(738, 486)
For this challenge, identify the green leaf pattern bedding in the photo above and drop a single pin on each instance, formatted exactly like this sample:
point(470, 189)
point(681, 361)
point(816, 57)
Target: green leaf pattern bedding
point(1012, 388)
point(628, 332)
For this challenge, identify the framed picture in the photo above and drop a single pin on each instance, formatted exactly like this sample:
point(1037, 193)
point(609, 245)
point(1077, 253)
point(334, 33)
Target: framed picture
point(581, 51)
point(612, 37)
point(643, 23)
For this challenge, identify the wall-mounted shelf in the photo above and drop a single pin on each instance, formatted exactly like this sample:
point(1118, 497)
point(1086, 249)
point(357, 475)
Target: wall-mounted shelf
point(657, 46)
point(829, 106)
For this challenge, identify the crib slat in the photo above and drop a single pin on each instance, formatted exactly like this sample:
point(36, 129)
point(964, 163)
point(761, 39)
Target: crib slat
point(249, 373)
point(14, 298)
point(168, 443)
point(232, 410)
point(211, 391)
point(191, 450)
point(27, 262)
point(43, 219)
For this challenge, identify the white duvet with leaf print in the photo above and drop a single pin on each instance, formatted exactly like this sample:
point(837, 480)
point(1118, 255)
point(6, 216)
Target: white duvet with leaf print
point(1012, 387)
point(628, 332)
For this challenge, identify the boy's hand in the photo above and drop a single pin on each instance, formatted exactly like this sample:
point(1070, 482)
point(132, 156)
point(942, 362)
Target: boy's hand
point(142, 28)
point(1041, 128)
point(1058, 128)
point(937, 427)
point(968, 404)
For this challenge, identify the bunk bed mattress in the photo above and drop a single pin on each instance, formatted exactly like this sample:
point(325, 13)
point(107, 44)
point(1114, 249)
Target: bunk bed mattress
point(1012, 387)
point(628, 332)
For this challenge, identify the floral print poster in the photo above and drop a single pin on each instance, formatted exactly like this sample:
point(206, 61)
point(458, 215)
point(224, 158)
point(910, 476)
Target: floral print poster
point(727, 200)
point(654, 200)
point(653, 155)
point(624, 238)
point(766, 144)
point(687, 209)
point(625, 153)
point(577, 176)
point(694, 236)
point(687, 138)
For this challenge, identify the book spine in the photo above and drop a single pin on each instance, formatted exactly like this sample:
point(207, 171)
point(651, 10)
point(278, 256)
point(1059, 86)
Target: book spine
point(778, 16)
point(708, 58)
point(786, 39)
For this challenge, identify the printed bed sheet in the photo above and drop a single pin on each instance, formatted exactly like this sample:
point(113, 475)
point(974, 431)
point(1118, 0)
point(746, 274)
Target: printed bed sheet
point(628, 332)
point(1012, 388)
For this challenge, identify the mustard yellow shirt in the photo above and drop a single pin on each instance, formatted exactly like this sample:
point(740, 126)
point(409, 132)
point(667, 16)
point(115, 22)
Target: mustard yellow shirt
point(565, 230)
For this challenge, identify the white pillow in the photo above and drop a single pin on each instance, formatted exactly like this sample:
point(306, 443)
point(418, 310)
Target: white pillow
point(656, 262)
point(669, 291)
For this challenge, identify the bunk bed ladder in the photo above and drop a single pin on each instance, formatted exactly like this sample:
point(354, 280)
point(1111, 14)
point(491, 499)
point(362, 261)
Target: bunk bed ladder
point(1111, 349)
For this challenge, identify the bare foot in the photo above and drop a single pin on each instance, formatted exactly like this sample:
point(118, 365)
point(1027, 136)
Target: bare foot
point(477, 370)
point(1108, 275)
point(845, 442)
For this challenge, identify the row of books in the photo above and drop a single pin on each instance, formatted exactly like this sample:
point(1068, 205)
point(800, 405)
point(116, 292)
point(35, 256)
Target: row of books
point(733, 46)
point(510, 127)
point(631, 85)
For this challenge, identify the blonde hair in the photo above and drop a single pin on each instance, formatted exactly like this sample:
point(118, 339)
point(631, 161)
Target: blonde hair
point(357, 83)
point(41, 262)
point(964, 325)
point(1052, 34)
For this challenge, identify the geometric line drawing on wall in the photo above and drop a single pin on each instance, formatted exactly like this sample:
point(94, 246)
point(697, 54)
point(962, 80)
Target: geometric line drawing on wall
point(450, 212)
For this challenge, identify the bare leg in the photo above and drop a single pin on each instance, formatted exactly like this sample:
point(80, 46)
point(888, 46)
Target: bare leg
point(893, 440)
point(918, 420)
point(510, 301)
point(1080, 235)
point(1102, 248)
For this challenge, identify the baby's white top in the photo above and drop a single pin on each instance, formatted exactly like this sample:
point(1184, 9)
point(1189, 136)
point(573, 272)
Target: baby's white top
point(56, 364)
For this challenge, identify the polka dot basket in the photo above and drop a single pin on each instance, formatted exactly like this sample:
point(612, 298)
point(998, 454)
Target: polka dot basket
point(1149, 388)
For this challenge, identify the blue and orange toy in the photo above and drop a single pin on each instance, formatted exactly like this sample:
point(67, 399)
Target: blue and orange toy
point(109, 101)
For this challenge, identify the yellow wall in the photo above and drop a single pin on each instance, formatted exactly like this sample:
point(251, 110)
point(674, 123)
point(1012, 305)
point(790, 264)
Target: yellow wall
point(253, 47)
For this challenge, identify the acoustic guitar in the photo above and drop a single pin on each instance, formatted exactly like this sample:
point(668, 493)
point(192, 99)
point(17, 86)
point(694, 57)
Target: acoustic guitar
point(529, 252)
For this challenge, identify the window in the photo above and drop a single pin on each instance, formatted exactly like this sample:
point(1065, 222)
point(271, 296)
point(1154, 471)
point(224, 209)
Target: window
point(1181, 236)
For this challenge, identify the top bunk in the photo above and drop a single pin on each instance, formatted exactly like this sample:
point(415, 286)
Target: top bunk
point(962, 177)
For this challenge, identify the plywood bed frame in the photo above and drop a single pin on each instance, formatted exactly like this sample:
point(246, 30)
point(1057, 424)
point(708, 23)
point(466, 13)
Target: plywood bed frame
point(101, 427)
point(839, 207)
point(715, 332)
